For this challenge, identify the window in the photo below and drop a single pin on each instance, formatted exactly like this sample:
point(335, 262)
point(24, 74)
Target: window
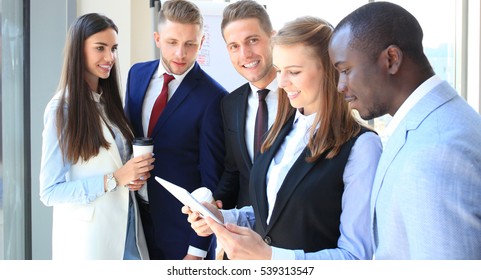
point(12, 175)
point(439, 29)
point(333, 12)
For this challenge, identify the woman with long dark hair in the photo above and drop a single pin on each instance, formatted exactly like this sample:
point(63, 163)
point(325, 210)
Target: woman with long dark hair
point(87, 173)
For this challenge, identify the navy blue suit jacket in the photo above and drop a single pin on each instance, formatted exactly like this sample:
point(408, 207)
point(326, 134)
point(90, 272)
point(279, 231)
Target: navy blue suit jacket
point(188, 147)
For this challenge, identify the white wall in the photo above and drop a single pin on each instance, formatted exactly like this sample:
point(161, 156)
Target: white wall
point(131, 17)
point(135, 20)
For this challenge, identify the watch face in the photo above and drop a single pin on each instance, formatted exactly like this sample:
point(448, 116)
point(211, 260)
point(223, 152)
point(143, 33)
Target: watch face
point(111, 182)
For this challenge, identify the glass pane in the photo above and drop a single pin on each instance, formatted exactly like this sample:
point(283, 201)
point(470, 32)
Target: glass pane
point(1, 129)
point(12, 184)
point(439, 33)
point(439, 39)
point(332, 11)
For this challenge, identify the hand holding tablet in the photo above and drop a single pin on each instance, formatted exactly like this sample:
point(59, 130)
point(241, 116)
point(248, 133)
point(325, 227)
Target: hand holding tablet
point(186, 198)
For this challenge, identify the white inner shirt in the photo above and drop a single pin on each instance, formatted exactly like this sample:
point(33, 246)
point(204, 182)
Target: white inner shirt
point(253, 104)
point(286, 156)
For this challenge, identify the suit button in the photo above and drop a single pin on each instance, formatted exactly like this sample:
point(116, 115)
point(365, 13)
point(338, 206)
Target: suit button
point(268, 240)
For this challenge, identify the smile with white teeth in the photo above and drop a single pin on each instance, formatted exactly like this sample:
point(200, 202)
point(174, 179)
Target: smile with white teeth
point(106, 67)
point(292, 94)
point(252, 64)
point(349, 98)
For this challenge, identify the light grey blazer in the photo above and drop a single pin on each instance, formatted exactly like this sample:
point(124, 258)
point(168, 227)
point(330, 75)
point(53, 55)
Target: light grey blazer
point(426, 200)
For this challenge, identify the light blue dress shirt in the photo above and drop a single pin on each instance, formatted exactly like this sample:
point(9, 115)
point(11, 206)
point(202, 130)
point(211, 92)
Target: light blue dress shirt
point(355, 239)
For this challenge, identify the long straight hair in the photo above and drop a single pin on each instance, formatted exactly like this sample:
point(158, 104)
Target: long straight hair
point(80, 129)
point(335, 121)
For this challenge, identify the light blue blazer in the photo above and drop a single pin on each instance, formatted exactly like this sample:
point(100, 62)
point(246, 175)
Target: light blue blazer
point(426, 200)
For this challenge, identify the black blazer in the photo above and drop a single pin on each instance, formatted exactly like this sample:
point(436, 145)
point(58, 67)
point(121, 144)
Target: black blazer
point(307, 210)
point(233, 188)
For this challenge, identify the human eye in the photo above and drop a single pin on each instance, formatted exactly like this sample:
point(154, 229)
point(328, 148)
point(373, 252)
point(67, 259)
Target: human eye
point(191, 45)
point(100, 48)
point(342, 69)
point(294, 73)
point(253, 41)
point(233, 47)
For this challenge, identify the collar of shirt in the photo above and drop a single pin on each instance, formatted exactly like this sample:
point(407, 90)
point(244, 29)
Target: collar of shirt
point(306, 120)
point(251, 111)
point(272, 87)
point(96, 96)
point(408, 104)
point(178, 78)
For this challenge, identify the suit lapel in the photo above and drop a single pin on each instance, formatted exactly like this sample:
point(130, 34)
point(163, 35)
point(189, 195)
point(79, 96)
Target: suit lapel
point(186, 88)
point(297, 172)
point(433, 99)
point(241, 124)
point(262, 163)
point(144, 77)
point(113, 151)
point(391, 149)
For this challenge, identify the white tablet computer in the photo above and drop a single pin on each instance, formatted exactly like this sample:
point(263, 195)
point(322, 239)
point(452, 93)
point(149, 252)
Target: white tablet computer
point(186, 198)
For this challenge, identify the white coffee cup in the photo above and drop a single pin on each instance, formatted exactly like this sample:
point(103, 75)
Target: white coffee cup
point(142, 146)
point(203, 194)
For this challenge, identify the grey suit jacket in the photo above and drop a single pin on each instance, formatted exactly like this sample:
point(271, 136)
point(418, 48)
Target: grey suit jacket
point(426, 200)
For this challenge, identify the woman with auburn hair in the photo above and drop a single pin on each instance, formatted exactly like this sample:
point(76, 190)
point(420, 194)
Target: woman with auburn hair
point(310, 188)
point(87, 173)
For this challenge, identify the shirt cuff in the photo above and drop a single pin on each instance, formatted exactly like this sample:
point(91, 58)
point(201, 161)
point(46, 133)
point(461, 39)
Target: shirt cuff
point(282, 254)
point(197, 252)
point(229, 216)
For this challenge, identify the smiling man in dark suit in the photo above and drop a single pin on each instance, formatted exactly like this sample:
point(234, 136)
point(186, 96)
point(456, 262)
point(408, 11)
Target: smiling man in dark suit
point(188, 135)
point(247, 31)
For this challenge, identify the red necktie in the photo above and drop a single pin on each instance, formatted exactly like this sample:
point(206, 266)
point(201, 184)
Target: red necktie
point(261, 121)
point(160, 103)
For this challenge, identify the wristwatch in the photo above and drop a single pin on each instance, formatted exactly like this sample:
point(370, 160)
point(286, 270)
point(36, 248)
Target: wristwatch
point(111, 182)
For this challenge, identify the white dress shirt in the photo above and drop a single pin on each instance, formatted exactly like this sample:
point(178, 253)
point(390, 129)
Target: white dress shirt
point(253, 103)
point(286, 156)
point(154, 89)
point(408, 104)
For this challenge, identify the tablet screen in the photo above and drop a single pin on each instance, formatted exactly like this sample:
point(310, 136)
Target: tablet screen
point(186, 198)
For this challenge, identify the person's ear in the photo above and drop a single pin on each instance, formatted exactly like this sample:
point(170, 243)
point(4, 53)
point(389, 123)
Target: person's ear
point(201, 41)
point(394, 57)
point(157, 39)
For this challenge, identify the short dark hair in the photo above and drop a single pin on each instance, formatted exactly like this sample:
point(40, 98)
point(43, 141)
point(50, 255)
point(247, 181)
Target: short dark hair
point(246, 9)
point(377, 25)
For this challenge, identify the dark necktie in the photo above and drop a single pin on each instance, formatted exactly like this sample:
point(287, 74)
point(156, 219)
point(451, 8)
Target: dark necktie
point(159, 104)
point(261, 121)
